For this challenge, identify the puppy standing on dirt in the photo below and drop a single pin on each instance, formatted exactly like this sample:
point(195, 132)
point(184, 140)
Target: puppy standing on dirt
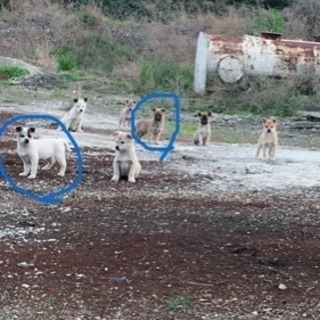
point(31, 151)
point(73, 118)
point(125, 114)
point(152, 127)
point(126, 164)
point(203, 133)
point(268, 140)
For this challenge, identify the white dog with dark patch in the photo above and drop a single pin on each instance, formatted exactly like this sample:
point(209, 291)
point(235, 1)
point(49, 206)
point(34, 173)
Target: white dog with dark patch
point(73, 118)
point(31, 150)
point(126, 164)
point(203, 134)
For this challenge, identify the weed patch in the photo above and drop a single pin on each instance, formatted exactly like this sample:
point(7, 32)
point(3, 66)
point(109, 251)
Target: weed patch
point(165, 76)
point(12, 72)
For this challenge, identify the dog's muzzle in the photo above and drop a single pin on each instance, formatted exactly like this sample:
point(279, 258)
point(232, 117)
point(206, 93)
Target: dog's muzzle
point(26, 141)
point(268, 130)
point(117, 148)
point(158, 116)
point(204, 121)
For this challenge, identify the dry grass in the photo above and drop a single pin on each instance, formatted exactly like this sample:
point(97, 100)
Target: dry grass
point(128, 72)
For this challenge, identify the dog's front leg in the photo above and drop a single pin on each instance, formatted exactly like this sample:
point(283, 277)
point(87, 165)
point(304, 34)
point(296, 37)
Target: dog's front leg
point(264, 150)
point(149, 136)
point(157, 141)
point(116, 171)
point(79, 126)
point(200, 140)
point(258, 150)
point(204, 141)
point(131, 177)
point(26, 169)
point(34, 168)
point(272, 152)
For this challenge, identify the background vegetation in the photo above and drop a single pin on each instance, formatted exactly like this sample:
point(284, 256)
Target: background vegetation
point(138, 46)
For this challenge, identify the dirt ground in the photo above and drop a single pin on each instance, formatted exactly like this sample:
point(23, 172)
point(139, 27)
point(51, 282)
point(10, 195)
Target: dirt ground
point(212, 233)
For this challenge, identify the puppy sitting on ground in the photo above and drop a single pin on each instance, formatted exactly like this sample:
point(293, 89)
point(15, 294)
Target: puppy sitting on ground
point(126, 164)
point(152, 127)
point(31, 151)
point(268, 140)
point(203, 133)
point(125, 114)
point(73, 118)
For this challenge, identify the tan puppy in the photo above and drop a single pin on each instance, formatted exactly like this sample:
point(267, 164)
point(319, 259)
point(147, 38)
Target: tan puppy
point(125, 115)
point(203, 133)
point(126, 164)
point(268, 140)
point(152, 127)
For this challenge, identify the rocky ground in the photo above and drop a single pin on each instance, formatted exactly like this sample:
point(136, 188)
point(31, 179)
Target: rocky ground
point(212, 233)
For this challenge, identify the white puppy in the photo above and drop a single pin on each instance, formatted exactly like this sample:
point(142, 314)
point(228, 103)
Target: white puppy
point(126, 164)
point(73, 118)
point(31, 151)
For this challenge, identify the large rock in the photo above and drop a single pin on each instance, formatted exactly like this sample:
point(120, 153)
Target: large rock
point(33, 70)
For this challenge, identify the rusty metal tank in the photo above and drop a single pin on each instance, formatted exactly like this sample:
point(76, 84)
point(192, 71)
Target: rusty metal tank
point(229, 59)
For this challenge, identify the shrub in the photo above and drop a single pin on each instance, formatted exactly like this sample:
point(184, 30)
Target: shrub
point(65, 60)
point(93, 52)
point(269, 20)
point(165, 76)
point(12, 72)
point(271, 98)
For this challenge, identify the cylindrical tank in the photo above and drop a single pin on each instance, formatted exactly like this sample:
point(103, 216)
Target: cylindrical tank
point(230, 58)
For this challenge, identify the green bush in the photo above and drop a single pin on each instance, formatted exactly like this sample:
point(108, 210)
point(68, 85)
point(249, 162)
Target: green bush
point(64, 58)
point(271, 97)
point(165, 76)
point(269, 20)
point(93, 52)
point(12, 72)
point(4, 4)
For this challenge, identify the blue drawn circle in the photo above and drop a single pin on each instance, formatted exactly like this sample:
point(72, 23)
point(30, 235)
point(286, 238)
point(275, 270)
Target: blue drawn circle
point(165, 150)
point(54, 197)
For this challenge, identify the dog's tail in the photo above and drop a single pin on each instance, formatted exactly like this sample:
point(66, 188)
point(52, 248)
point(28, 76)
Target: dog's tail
point(67, 146)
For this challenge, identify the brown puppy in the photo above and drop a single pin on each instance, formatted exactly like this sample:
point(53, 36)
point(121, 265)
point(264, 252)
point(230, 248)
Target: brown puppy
point(125, 115)
point(203, 133)
point(152, 127)
point(126, 164)
point(268, 140)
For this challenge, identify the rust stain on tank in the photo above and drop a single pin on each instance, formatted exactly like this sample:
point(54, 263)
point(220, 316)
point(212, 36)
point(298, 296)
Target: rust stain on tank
point(228, 44)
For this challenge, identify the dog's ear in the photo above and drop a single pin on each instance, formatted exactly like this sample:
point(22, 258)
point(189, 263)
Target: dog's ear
point(129, 136)
point(32, 129)
point(163, 110)
point(198, 114)
point(134, 101)
point(264, 120)
point(75, 100)
point(85, 99)
point(274, 120)
point(18, 129)
point(154, 109)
